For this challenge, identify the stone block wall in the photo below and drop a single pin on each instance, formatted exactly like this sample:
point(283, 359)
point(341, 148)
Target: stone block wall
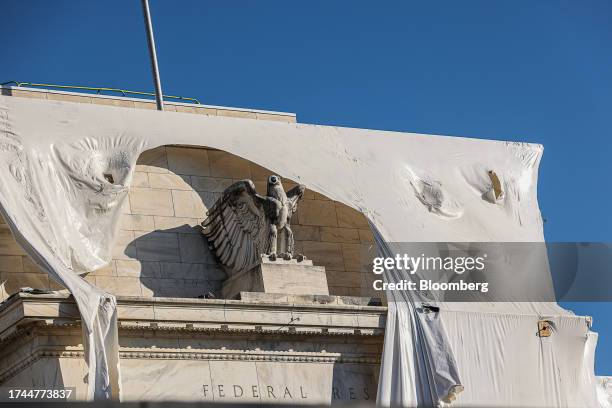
point(160, 247)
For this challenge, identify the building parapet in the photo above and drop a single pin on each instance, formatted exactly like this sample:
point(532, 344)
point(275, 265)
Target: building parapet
point(138, 103)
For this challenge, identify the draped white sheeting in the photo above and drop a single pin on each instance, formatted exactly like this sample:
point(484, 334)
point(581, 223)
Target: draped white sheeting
point(55, 158)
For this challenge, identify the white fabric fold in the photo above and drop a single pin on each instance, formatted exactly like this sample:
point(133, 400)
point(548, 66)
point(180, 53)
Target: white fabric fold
point(65, 169)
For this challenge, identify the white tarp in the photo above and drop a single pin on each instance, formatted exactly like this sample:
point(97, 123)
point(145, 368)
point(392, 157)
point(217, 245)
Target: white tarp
point(55, 162)
point(604, 391)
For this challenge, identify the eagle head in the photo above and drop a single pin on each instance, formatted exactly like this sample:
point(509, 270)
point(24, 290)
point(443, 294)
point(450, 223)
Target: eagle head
point(273, 180)
point(275, 188)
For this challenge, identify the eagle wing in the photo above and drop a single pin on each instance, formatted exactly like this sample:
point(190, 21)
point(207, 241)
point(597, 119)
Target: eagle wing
point(293, 196)
point(237, 226)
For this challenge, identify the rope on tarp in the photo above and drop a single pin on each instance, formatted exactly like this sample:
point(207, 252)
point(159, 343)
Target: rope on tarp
point(99, 90)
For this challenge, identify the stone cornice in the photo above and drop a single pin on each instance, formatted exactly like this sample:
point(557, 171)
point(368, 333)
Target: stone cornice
point(27, 329)
point(190, 354)
point(202, 315)
point(56, 297)
point(23, 314)
point(287, 330)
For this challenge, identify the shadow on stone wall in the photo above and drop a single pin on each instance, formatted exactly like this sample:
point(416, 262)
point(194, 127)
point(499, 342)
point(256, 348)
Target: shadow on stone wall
point(176, 262)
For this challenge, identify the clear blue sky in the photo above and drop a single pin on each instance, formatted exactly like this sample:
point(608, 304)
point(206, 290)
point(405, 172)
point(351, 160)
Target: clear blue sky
point(536, 71)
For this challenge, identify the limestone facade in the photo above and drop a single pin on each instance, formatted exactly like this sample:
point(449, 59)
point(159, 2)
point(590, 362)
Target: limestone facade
point(201, 349)
point(297, 347)
point(159, 250)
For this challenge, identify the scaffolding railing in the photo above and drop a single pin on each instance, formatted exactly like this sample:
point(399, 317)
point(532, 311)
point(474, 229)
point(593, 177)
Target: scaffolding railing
point(99, 91)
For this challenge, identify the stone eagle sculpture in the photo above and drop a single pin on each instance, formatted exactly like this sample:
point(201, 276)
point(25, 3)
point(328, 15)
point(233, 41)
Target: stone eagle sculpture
point(242, 225)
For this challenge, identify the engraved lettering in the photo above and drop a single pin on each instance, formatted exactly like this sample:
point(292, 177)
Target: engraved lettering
point(239, 392)
point(335, 393)
point(352, 393)
point(366, 393)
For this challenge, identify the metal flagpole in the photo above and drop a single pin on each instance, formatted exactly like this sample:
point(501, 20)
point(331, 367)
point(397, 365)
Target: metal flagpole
point(159, 99)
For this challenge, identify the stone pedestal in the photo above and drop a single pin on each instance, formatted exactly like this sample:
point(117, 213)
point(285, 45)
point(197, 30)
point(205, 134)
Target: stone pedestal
point(279, 277)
